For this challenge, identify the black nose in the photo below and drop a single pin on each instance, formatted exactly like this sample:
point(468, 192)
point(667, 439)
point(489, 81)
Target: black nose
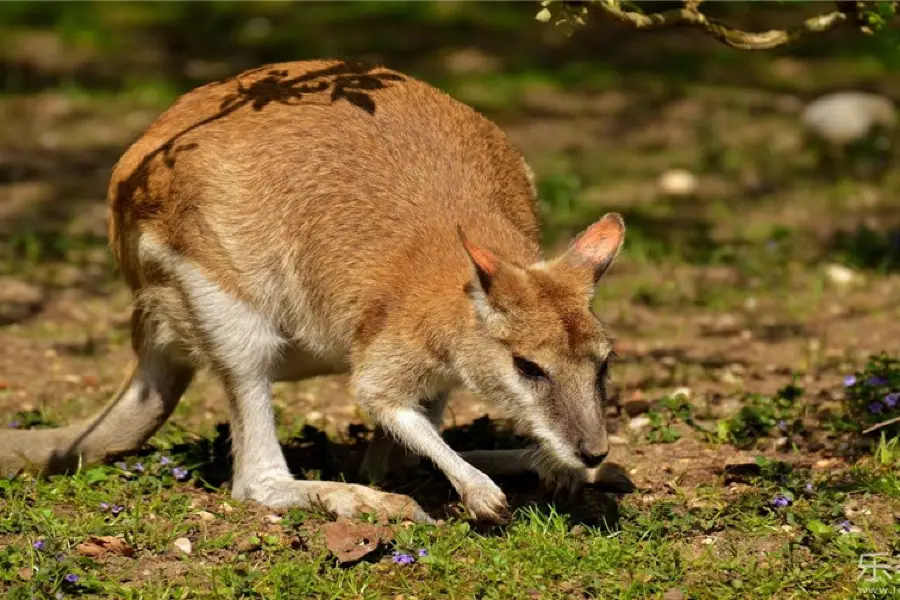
point(592, 455)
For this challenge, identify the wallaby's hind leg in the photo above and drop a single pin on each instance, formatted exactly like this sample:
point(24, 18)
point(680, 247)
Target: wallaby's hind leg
point(385, 455)
point(244, 347)
point(142, 404)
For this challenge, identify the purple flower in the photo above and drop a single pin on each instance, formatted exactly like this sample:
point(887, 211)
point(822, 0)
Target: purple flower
point(809, 488)
point(71, 578)
point(891, 399)
point(165, 460)
point(180, 473)
point(423, 552)
point(780, 501)
point(402, 559)
point(38, 545)
point(876, 381)
point(138, 467)
point(117, 509)
point(849, 380)
point(60, 558)
point(845, 526)
point(15, 425)
point(875, 408)
point(782, 425)
point(104, 506)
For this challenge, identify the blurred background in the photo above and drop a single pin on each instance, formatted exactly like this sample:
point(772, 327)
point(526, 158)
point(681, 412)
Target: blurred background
point(757, 247)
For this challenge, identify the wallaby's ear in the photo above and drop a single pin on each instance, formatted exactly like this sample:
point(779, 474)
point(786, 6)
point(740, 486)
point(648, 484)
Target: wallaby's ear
point(599, 244)
point(483, 261)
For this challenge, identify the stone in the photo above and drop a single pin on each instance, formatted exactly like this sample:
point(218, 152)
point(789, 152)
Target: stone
point(638, 423)
point(845, 117)
point(678, 182)
point(841, 276)
point(184, 545)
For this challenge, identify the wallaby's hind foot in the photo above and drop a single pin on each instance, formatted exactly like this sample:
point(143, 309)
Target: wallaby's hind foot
point(142, 404)
point(334, 498)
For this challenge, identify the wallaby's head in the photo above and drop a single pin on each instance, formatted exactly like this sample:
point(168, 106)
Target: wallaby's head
point(538, 348)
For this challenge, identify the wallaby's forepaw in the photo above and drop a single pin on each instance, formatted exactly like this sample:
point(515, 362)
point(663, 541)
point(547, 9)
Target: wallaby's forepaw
point(485, 501)
point(567, 484)
point(563, 485)
point(611, 477)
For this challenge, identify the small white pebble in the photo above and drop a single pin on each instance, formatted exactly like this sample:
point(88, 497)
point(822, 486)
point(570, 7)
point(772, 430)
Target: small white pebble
point(183, 544)
point(273, 519)
point(678, 182)
point(206, 516)
point(840, 275)
point(639, 423)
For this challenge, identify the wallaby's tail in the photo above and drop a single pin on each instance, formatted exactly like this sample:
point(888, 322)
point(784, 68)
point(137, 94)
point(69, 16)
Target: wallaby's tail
point(142, 404)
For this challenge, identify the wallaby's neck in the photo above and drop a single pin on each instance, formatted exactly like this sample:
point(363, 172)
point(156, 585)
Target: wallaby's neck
point(435, 292)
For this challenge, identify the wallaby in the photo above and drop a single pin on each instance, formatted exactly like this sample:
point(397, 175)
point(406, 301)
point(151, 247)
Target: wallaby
point(320, 217)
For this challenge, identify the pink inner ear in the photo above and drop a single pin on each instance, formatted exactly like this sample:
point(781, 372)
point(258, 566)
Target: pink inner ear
point(483, 259)
point(600, 242)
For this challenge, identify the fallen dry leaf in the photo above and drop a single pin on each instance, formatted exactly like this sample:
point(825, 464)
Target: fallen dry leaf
point(350, 541)
point(26, 573)
point(97, 546)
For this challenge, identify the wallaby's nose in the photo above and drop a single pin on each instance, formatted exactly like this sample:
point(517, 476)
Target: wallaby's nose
point(593, 453)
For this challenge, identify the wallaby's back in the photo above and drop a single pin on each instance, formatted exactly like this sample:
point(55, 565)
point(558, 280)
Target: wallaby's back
point(338, 176)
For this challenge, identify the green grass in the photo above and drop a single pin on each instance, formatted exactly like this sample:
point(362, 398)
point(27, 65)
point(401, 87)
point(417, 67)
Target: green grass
point(719, 545)
point(766, 529)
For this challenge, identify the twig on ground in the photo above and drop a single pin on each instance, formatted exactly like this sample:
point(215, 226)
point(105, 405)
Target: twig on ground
point(881, 425)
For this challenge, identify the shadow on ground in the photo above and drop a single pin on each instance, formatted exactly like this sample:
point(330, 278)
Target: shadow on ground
point(312, 455)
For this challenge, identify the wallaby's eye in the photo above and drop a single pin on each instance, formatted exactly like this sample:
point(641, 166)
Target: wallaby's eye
point(528, 369)
point(602, 371)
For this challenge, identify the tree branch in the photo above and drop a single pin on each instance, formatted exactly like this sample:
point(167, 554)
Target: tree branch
point(690, 16)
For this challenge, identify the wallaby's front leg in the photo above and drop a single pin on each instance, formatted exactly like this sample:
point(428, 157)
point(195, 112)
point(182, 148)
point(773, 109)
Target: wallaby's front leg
point(407, 422)
point(244, 348)
point(385, 455)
